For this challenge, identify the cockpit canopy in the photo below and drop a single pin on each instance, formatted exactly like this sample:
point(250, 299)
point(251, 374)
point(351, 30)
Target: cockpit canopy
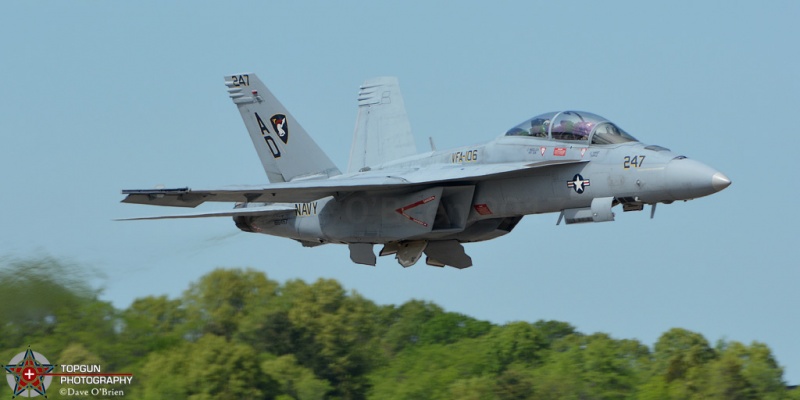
point(572, 125)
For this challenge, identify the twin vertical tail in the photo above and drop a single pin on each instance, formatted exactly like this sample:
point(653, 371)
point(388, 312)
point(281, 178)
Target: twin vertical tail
point(286, 151)
point(382, 132)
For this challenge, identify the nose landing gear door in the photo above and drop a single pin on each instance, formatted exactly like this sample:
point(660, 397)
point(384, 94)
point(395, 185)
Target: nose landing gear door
point(600, 211)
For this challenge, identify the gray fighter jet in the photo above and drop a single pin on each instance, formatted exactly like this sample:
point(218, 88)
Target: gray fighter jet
point(574, 163)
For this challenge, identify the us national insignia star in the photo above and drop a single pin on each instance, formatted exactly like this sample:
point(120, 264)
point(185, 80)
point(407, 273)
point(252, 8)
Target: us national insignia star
point(578, 183)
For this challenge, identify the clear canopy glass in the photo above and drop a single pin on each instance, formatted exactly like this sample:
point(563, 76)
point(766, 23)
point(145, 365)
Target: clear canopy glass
point(572, 126)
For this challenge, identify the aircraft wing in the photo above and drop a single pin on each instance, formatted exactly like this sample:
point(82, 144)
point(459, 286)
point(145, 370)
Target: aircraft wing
point(271, 209)
point(310, 190)
point(289, 192)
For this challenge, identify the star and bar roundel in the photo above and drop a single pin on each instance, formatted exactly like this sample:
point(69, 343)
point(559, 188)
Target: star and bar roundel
point(578, 183)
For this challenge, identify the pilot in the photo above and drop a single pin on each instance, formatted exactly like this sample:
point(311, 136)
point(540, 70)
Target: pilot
point(516, 131)
point(583, 129)
point(539, 127)
point(564, 130)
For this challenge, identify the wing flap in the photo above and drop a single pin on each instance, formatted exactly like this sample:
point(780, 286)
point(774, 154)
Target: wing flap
point(310, 190)
point(179, 197)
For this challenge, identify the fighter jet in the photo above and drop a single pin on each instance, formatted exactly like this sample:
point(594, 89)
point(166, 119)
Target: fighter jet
point(574, 163)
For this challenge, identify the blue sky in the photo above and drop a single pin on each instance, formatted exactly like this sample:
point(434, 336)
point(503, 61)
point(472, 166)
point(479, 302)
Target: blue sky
point(100, 96)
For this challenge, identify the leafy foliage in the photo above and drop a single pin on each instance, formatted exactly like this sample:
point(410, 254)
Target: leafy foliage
point(237, 334)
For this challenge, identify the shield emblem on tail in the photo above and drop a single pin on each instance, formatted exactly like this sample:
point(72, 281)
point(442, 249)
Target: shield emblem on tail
point(281, 126)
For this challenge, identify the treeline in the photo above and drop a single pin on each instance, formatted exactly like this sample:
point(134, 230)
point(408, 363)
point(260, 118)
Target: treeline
point(237, 334)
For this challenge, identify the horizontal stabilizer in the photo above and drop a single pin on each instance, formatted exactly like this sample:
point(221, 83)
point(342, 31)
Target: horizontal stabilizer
point(248, 211)
point(310, 190)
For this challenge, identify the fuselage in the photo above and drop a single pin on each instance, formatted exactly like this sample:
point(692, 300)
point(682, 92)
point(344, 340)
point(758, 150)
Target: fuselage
point(629, 173)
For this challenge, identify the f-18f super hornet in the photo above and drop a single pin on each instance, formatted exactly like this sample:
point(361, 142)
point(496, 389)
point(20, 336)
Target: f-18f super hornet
point(574, 163)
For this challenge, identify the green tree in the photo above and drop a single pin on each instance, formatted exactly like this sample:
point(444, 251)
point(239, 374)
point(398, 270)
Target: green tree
point(405, 324)
point(151, 324)
point(237, 334)
point(224, 298)
point(743, 372)
point(429, 371)
point(760, 369)
point(338, 334)
point(722, 379)
point(516, 382)
point(294, 380)
point(48, 304)
point(451, 327)
point(76, 353)
point(475, 388)
point(679, 359)
point(516, 342)
point(210, 368)
point(678, 351)
point(594, 366)
point(554, 330)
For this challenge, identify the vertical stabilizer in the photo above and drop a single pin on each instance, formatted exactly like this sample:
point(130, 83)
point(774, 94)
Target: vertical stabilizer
point(382, 130)
point(285, 149)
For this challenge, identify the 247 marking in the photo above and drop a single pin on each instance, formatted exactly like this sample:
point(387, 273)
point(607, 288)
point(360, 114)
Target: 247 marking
point(635, 162)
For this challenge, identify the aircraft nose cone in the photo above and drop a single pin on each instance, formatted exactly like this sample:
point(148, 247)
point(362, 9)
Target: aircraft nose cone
point(689, 179)
point(719, 181)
